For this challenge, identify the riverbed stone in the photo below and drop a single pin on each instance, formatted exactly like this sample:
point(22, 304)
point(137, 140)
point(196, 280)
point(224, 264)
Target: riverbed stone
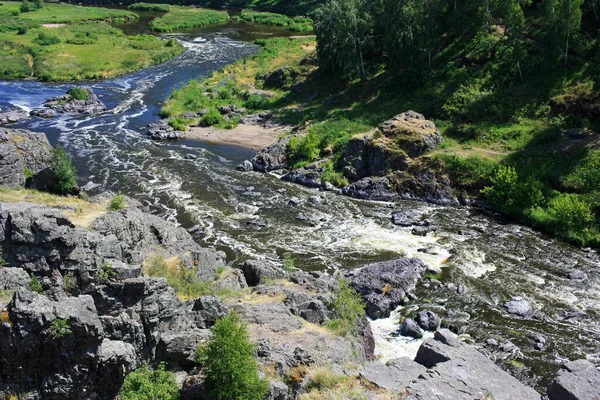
point(576, 380)
point(46, 113)
point(428, 320)
point(24, 156)
point(161, 130)
point(385, 285)
point(519, 306)
point(410, 328)
point(68, 104)
point(13, 116)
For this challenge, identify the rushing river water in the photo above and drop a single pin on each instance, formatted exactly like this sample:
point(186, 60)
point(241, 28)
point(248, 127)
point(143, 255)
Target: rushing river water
point(485, 261)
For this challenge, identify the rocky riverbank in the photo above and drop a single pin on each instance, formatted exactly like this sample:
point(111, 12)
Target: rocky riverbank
point(383, 165)
point(115, 324)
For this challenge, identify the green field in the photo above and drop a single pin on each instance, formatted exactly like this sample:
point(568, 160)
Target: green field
point(62, 13)
point(295, 24)
point(179, 18)
point(71, 52)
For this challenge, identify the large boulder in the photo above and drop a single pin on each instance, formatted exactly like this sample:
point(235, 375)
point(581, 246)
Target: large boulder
point(458, 371)
point(392, 376)
point(412, 132)
point(161, 130)
point(23, 155)
point(68, 104)
point(576, 380)
point(385, 285)
point(275, 156)
point(12, 116)
point(258, 271)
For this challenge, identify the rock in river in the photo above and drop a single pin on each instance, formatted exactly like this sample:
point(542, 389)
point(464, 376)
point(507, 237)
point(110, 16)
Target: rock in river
point(69, 104)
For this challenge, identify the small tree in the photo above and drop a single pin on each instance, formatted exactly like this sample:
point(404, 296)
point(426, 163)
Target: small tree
point(348, 308)
point(228, 363)
point(39, 4)
point(63, 171)
point(59, 328)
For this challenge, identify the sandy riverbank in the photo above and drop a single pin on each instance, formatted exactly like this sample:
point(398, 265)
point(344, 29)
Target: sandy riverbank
point(254, 137)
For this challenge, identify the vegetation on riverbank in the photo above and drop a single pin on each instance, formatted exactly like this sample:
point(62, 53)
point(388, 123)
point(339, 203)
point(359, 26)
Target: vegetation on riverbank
point(57, 13)
point(496, 87)
point(296, 24)
point(71, 52)
point(178, 18)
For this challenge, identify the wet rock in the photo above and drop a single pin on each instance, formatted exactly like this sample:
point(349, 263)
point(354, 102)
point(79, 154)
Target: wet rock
point(256, 223)
point(315, 200)
point(246, 166)
point(407, 218)
point(275, 156)
point(459, 371)
point(410, 328)
point(578, 276)
point(519, 306)
point(294, 202)
point(67, 104)
point(25, 157)
point(46, 113)
point(428, 320)
point(576, 380)
point(376, 189)
point(257, 271)
point(310, 176)
point(491, 342)
point(190, 156)
point(508, 347)
point(392, 376)
point(12, 116)
point(161, 130)
point(421, 230)
point(384, 285)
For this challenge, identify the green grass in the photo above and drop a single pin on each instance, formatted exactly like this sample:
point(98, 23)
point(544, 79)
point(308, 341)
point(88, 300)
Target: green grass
point(63, 13)
point(75, 57)
point(179, 18)
point(295, 24)
point(150, 7)
point(211, 93)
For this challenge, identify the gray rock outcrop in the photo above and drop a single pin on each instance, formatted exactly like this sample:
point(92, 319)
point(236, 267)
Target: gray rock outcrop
point(273, 157)
point(68, 104)
point(23, 155)
point(385, 285)
point(576, 380)
point(161, 130)
point(12, 116)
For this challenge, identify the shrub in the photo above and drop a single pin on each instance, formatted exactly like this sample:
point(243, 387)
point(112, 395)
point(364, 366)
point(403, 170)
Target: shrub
point(184, 280)
point(35, 285)
point(510, 195)
point(255, 102)
point(288, 263)
point(25, 6)
point(63, 171)
point(117, 203)
point(228, 363)
point(107, 272)
point(22, 30)
point(3, 262)
point(44, 39)
point(78, 93)
point(348, 308)
point(212, 117)
point(70, 282)
point(59, 328)
point(335, 178)
point(149, 384)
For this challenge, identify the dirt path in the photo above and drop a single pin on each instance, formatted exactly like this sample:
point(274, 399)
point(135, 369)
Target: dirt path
point(254, 137)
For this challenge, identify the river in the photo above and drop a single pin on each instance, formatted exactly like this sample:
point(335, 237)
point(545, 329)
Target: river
point(486, 261)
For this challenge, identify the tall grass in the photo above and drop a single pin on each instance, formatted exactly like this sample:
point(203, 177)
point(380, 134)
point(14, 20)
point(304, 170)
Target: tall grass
point(179, 18)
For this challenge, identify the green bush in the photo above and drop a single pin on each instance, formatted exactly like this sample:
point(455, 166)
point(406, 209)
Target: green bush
point(22, 30)
point(117, 203)
point(44, 39)
point(212, 117)
point(78, 93)
point(70, 283)
point(150, 7)
point(289, 264)
point(348, 308)
point(335, 178)
point(184, 280)
point(25, 6)
point(3, 262)
point(150, 384)
point(510, 195)
point(228, 363)
point(107, 272)
point(63, 171)
point(59, 328)
point(255, 102)
point(35, 285)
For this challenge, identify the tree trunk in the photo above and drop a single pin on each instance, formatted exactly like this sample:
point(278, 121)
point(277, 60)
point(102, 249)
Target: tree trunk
point(567, 51)
point(520, 72)
point(361, 71)
point(595, 11)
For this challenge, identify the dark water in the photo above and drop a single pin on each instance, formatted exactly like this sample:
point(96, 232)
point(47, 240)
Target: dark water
point(492, 263)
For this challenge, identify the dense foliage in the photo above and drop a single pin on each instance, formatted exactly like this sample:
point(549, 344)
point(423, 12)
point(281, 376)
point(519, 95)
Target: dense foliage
point(184, 17)
point(348, 308)
point(228, 363)
point(63, 171)
point(146, 383)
